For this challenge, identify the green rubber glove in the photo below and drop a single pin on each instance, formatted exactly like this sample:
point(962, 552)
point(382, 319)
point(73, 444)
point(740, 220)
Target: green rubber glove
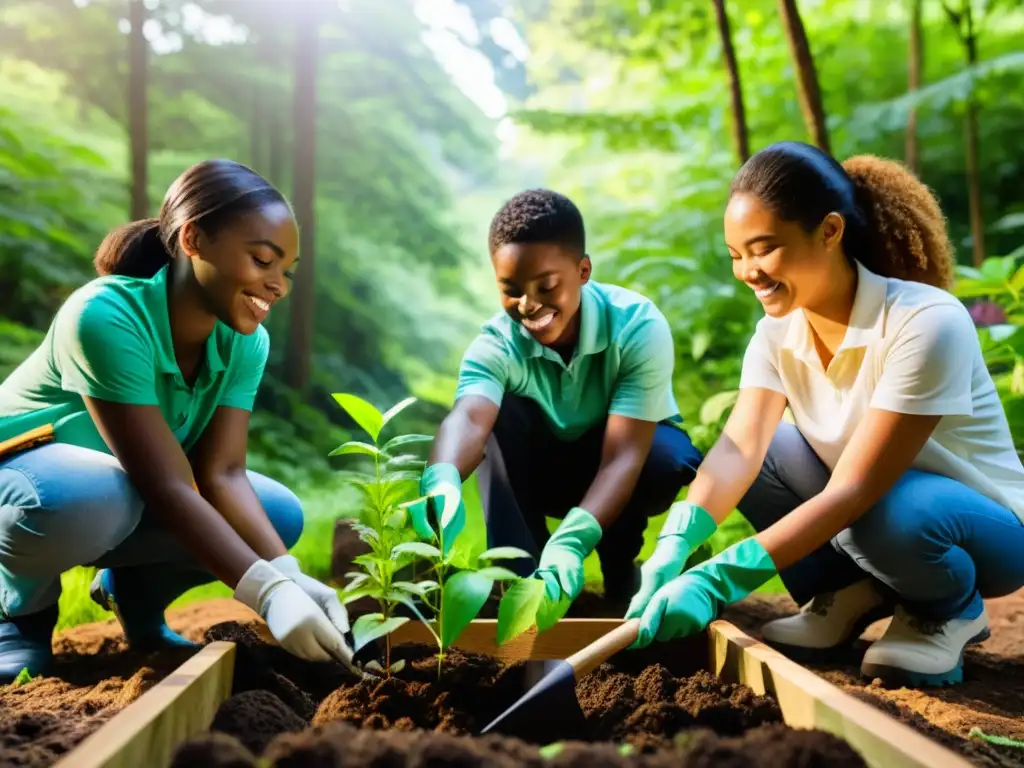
point(688, 603)
point(444, 481)
point(686, 528)
point(561, 562)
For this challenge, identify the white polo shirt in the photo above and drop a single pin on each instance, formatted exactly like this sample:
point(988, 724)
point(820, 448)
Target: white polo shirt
point(909, 348)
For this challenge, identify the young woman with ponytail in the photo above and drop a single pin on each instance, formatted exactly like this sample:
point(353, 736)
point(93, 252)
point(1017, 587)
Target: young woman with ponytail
point(894, 489)
point(123, 435)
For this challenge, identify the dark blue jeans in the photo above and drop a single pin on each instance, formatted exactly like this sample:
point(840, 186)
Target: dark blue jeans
point(529, 474)
point(62, 506)
point(933, 544)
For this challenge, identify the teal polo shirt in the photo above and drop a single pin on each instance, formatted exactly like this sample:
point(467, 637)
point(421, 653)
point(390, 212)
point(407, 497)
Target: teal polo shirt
point(111, 340)
point(622, 364)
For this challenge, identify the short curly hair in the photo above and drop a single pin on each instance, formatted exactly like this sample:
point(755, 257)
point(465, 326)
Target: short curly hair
point(539, 216)
point(894, 224)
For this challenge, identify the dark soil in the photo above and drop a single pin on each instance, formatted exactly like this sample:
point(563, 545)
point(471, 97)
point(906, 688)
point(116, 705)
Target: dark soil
point(47, 717)
point(665, 717)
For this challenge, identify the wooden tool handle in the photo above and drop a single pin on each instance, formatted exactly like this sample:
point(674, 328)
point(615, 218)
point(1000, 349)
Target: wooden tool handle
point(595, 654)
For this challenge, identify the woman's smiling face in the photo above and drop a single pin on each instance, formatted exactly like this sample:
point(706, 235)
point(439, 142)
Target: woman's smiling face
point(786, 266)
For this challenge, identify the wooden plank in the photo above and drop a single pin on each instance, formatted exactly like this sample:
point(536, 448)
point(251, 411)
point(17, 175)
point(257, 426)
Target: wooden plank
point(809, 701)
point(147, 731)
point(561, 640)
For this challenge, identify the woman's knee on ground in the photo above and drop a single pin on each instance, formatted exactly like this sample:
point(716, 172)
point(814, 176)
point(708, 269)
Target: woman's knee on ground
point(45, 530)
point(282, 506)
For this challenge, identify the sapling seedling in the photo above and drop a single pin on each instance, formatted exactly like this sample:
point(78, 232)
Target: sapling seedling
point(454, 596)
point(382, 521)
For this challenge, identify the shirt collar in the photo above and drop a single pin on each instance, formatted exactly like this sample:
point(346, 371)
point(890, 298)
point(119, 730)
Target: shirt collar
point(866, 319)
point(167, 361)
point(594, 333)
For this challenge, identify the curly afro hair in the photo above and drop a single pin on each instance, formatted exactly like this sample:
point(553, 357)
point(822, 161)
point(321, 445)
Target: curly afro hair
point(894, 225)
point(910, 237)
point(539, 216)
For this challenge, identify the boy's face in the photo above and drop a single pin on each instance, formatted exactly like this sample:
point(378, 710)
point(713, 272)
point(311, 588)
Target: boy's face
point(540, 288)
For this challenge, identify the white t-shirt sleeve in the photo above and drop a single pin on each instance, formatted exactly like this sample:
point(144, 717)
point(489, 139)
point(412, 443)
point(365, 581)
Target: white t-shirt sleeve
point(760, 370)
point(928, 368)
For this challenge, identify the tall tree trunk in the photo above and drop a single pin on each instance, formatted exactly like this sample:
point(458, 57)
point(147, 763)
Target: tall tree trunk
point(807, 79)
point(138, 62)
point(914, 83)
point(964, 23)
point(740, 138)
point(300, 336)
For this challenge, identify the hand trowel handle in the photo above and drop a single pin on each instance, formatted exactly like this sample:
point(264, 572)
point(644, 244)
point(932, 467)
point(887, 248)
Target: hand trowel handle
point(595, 654)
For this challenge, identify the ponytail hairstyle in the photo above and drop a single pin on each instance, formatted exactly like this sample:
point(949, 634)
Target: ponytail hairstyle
point(211, 194)
point(893, 223)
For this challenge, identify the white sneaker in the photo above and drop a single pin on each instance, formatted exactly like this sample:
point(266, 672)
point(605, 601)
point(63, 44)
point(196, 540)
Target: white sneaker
point(828, 622)
point(921, 652)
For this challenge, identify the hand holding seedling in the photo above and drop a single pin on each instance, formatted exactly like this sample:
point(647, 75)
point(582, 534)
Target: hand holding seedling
point(561, 562)
point(686, 526)
point(442, 487)
point(688, 603)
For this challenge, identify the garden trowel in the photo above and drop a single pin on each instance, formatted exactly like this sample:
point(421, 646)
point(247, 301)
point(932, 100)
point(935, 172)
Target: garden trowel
point(549, 711)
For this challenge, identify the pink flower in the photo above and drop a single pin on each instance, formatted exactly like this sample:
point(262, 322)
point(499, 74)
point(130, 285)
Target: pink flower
point(985, 313)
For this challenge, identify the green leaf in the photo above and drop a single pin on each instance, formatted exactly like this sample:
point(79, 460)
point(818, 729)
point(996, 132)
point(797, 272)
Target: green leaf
point(517, 611)
point(464, 595)
point(363, 413)
point(368, 590)
point(398, 666)
point(550, 612)
point(403, 440)
point(551, 751)
point(370, 626)
point(497, 574)
point(355, 579)
point(396, 409)
point(502, 553)
point(419, 588)
point(420, 548)
point(354, 446)
point(701, 344)
point(714, 407)
point(23, 677)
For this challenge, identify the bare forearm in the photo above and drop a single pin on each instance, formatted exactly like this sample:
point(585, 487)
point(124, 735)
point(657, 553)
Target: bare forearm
point(723, 479)
point(460, 441)
point(810, 525)
point(232, 495)
point(612, 488)
point(204, 533)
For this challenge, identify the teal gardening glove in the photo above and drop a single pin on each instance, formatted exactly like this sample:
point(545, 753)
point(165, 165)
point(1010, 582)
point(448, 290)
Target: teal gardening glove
point(444, 486)
point(561, 562)
point(686, 528)
point(688, 603)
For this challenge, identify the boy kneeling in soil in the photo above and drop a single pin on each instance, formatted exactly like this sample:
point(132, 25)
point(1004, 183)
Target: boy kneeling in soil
point(565, 404)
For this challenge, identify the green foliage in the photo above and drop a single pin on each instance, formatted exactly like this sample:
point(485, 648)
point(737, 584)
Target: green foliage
point(452, 595)
point(999, 282)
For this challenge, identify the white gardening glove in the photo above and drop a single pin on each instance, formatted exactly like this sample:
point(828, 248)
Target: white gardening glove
point(322, 595)
point(293, 617)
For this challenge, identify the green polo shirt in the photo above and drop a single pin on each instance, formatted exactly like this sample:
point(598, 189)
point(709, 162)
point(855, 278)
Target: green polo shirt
point(622, 364)
point(111, 340)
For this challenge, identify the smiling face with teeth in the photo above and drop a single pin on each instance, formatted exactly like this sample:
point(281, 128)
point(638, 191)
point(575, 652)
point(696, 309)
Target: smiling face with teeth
point(540, 287)
point(785, 265)
point(247, 266)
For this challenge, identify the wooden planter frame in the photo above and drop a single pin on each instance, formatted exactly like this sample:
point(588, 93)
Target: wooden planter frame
point(148, 731)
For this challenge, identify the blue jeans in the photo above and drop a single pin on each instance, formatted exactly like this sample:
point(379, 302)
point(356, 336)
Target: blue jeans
point(529, 474)
point(933, 544)
point(63, 506)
